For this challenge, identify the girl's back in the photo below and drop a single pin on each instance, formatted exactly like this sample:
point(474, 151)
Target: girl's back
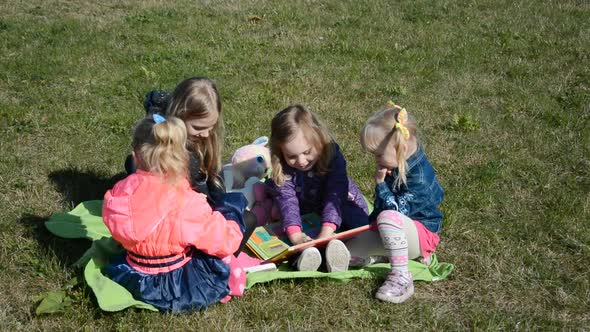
point(176, 245)
point(151, 217)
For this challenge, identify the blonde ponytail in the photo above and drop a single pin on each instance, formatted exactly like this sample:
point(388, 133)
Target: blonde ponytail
point(161, 146)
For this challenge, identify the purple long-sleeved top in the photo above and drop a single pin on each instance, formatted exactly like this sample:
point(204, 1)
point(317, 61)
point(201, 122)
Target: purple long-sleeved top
point(333, 195)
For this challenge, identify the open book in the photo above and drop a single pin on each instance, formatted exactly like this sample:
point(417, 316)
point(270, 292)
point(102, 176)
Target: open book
point(272, 245)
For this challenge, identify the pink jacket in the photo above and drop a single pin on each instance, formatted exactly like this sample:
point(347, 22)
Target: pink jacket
point(161, 221)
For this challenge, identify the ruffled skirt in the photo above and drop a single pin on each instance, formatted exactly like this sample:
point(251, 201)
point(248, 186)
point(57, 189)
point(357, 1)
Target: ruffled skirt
point(197, 284)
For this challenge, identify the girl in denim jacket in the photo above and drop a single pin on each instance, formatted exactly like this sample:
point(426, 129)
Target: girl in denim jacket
point(407, 195)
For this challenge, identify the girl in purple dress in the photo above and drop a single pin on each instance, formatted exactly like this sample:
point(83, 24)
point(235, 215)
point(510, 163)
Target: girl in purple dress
point(309, 175)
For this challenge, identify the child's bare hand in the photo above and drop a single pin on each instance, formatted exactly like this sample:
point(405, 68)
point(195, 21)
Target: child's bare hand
point(380, 174)
point(325, 232)
point(299, 238)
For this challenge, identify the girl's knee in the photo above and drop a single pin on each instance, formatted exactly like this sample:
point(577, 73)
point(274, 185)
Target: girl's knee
point(390, 217)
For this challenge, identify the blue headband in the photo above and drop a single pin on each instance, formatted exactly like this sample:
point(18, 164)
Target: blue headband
point(158, 118)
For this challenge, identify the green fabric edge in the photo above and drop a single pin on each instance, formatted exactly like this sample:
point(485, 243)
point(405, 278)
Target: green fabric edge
point(434, 272)
point(84, 221)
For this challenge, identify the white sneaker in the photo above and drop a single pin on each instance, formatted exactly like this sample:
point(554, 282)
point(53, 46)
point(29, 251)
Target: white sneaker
point(310, 259)
point(337, 256)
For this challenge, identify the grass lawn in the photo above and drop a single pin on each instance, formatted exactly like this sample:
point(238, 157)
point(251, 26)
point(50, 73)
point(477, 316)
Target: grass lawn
point(500, 90)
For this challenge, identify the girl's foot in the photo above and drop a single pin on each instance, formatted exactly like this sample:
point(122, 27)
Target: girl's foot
point(397, 288)
point(337, 256)
point(310, 259)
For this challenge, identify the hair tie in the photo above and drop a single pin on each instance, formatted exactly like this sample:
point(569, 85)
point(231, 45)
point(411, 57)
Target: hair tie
point(158, 118)
point(402, 119)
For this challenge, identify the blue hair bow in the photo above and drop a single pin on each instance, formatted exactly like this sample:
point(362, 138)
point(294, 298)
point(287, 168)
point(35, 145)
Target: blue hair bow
point(158, 118)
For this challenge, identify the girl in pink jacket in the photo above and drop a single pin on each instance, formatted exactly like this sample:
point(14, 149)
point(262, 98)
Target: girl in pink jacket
point(178, 250)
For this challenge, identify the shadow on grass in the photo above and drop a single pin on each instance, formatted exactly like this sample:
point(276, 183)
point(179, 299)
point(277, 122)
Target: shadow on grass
point(78, 186)
point(67, 251)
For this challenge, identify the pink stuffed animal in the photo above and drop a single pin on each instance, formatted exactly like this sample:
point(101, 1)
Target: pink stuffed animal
point(264, 208)
point(252, 160)
point(244, 173)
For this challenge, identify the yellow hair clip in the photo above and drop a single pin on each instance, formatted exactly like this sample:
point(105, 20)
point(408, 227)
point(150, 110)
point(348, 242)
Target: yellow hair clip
point(402, 119)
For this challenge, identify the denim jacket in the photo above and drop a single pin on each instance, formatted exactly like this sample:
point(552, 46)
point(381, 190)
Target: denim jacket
point(418, 198)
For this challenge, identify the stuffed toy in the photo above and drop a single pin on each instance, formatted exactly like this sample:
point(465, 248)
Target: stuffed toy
point(245, 172)
point(252, 160)
point(265, 208)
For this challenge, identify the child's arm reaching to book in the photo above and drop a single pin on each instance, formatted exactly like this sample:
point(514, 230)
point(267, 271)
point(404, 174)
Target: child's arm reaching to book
point(328, 229)
point(291, 219)
point(296, 236)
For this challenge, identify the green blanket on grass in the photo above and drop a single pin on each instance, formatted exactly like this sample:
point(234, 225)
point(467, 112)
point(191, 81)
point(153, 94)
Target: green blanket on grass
point(85, 221)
